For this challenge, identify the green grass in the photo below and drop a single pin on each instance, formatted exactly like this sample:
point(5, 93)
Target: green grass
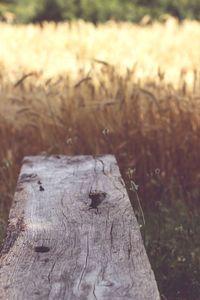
point(173, 246)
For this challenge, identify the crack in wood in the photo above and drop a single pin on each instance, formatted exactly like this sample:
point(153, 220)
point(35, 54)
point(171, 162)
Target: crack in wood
point(27, 177)
point(111, 235)
point(93, 291)
point(103, 166)
point(86, 262)
point(51, 271)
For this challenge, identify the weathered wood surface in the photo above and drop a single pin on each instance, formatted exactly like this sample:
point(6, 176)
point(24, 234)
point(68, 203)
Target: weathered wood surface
point(72, 234)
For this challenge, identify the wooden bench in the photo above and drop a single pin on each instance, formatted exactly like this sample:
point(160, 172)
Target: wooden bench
point(72, 234)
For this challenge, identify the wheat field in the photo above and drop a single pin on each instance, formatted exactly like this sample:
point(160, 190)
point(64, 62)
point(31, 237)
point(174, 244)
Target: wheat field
point(130, 90)
point(67, 48)
point(119, 88)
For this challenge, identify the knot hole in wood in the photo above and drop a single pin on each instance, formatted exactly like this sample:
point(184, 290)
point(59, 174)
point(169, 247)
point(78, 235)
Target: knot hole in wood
point(96, 198)
point(42, 249)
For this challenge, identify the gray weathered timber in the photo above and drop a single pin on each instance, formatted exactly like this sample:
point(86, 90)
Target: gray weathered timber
point(72, 234)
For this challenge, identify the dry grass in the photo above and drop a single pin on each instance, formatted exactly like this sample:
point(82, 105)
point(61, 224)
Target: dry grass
point(66, 89)
point(69, 47)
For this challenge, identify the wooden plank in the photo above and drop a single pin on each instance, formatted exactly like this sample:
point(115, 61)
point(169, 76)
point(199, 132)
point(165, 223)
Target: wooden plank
point(72, 234)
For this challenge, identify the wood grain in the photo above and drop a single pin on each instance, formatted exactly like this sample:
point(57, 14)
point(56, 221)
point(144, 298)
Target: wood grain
point(72, 234)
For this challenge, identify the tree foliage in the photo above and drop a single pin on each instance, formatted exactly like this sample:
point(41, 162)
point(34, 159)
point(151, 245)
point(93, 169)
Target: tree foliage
point(100, 10)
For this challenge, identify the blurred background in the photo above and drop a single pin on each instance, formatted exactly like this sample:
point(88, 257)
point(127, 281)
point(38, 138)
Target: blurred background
point(119, 77)
point(98, 11)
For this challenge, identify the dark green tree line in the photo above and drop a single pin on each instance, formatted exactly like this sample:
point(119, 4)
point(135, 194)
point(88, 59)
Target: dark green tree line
point(99, 10)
